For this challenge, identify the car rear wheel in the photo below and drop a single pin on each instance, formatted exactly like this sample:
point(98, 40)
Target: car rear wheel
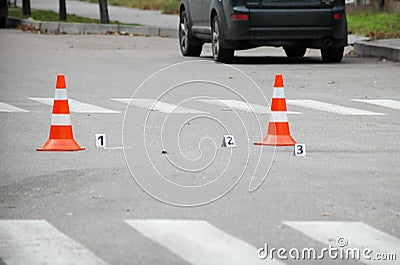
point(220, 54)
point(332, 55)
point(295, 51)
point(189, 45)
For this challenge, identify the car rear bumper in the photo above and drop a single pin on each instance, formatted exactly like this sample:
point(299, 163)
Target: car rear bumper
point(308, 37)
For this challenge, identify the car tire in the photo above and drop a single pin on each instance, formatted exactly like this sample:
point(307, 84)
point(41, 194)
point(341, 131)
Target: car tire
point(295, 51)
point(220, 54)
point(189, 45)
point(332, 55)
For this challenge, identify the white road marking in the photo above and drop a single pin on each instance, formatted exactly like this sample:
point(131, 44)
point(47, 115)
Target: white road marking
point(118, 148)
point(199, 243)
point(38, 242)
point(387, 103)
point(241, 105)
point(4, 107)
point(160, 106)
point(78, 107)
point(357, 234)
point(328, 107)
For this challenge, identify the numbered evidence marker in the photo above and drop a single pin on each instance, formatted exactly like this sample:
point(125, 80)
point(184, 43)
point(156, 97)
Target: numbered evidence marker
point(228, 141)
point(100, 140)
point(300, 150)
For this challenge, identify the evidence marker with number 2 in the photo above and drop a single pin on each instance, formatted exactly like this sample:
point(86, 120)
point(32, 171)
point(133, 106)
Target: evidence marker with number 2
point(228, 141)
point(278, 127)
point(61, 137)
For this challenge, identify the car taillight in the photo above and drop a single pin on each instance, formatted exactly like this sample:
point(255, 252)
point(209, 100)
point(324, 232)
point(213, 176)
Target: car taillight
point(240, 17)
point(337, 16)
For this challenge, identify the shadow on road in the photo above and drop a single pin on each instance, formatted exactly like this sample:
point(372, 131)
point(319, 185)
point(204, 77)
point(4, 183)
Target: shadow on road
point(278, 60)
point(273, 60)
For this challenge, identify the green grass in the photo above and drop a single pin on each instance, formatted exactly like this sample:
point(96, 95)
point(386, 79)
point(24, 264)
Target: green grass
point(45, 15)
point(166, 6)
point(374, 24)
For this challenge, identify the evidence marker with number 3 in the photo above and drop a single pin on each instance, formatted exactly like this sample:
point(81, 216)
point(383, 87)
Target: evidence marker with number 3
point(300, 150)
point(228, 141)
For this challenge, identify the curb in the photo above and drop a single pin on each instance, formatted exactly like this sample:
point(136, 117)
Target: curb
point(83, 28)
point(388, 49)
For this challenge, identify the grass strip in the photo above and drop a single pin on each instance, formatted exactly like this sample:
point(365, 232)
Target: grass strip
point(374, 24)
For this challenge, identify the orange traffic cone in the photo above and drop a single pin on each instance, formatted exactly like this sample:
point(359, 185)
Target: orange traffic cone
point(61, 137)
point(278, 127)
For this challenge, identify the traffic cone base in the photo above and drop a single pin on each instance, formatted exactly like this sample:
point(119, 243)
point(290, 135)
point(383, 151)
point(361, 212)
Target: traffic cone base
point(278, 135)
point(61, 145)
point(277, 140)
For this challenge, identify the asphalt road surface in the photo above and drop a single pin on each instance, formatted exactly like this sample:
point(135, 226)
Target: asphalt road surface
point(164, 190)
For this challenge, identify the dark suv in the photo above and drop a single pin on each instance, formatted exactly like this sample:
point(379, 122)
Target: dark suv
point(242, 24)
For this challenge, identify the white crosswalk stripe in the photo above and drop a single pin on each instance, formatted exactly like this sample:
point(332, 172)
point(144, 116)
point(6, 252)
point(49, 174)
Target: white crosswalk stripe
point(38, 242)
point(151, 104)
point(4, 107)
point(195, 241)
point(332, 108)
point(241, 105)
point(387, 103)
point(199, 243)
point(77, 106)
point(357, 235)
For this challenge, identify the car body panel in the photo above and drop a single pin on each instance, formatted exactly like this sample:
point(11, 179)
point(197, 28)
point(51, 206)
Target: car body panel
point(302, 23)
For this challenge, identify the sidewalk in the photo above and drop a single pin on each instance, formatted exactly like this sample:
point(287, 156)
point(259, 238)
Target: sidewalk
point(156, 24)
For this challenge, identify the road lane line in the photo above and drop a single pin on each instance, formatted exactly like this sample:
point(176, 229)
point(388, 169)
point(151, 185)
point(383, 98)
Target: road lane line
point(38, 242)
point(160, 106)
point(4, 107)
point(241, 105)
point(387, 103)
point(332, 108)
point(199, 243)
point(357, 234)
point(77, 107)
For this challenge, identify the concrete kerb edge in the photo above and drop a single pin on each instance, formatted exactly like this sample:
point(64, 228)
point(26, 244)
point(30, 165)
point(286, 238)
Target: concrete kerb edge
point(365, 49)
point(85, 28)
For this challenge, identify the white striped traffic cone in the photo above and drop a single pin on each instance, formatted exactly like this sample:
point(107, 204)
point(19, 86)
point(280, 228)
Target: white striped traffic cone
point(278, 127)
point(61, 137)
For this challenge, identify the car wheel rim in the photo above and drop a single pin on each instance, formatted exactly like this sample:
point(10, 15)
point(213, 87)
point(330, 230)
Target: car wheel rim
point(215, 40)
point(184, 34)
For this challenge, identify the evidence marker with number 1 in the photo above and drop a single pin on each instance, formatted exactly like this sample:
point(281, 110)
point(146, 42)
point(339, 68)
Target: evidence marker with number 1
point(101, 140)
